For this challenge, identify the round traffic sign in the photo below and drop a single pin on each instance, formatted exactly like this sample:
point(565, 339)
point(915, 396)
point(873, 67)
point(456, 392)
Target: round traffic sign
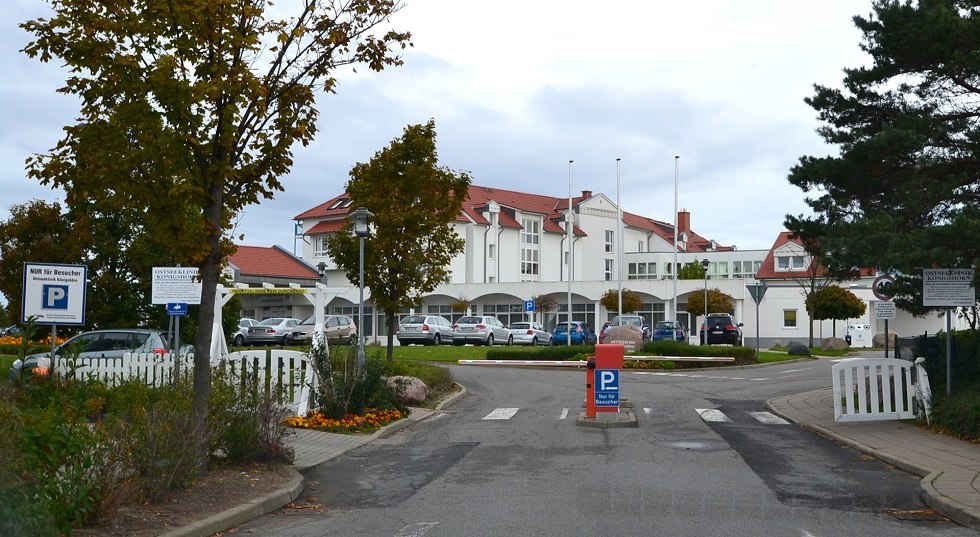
point(883, 287)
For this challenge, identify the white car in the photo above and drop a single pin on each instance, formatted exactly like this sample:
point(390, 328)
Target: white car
point(529, 333)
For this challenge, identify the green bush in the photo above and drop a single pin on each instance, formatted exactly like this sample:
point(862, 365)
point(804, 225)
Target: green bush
point(958, 413)
point(742, 355)
point(344, 389)
point(556, 353)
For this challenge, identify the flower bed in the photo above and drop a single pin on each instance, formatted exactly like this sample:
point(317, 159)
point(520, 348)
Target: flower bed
point(371, 421)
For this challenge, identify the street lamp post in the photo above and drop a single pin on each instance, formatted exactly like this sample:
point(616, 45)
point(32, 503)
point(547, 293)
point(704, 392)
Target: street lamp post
point(704, 329)
point(361, 216)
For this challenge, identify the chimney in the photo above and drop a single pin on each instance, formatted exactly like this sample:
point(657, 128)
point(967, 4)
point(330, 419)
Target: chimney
point(683, 222)
point(586, 194)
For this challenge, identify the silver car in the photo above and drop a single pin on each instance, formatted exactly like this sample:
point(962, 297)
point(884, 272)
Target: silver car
point(424, 330)
point(339, 329)
point(528, 333)
point(109, 343)
point(481, 330)
point(271, 331)
point(243, 325)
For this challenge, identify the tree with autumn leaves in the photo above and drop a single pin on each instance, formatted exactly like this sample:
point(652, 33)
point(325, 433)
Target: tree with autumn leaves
point(190, 111)
point(412, 243)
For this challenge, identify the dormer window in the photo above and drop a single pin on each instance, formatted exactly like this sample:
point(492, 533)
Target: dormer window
point(785, 263)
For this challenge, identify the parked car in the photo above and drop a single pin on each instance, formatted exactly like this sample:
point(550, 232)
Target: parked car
point(481, 330)
point(110, 343)
point(721, 328)
point(339, 329)
point(271, 331)
point(581, 334)
point(13, 330)
point(424, 330)
point(238, 339)
point(670, 329)
point(626, 320)
point(529, 333)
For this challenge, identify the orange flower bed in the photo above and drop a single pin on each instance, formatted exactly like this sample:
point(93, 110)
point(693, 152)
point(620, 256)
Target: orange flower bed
point(17, 340)
point(371, 421)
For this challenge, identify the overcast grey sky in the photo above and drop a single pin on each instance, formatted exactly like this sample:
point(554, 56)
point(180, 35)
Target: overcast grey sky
point(519, 88)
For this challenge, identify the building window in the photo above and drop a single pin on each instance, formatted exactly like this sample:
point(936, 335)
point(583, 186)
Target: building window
point(610, 239)
point(790, 262)
point(641, 271)
point(320, 246)
point(491, 250)
point(529, 264)
point(789, 318)
point(639, 246)
point(531, 234)
point(609, 269)
point(721, 269)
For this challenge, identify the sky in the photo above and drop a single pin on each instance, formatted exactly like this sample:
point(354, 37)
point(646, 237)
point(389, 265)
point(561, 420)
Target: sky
point(518, 88)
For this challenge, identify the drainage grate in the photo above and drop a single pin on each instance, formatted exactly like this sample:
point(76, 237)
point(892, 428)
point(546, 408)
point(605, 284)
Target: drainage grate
point(916, 515)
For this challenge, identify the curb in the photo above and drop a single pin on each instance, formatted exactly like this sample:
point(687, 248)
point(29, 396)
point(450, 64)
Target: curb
point(242, 513)
point(274, 500)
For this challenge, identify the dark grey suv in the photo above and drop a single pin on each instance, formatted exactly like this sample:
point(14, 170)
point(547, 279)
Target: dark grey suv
point(721, 328)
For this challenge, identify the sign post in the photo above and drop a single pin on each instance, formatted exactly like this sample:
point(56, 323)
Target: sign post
point(756, 291)
point(176, 287)
point(885, 310)
point(948, 288)
point(529, 309)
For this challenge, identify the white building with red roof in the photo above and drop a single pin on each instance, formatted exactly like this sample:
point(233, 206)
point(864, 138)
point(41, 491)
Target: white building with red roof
point(516, 248)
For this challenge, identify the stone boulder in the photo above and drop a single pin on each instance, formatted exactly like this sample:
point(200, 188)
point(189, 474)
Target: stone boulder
point(833, 344)
point(796, 348)
point(879, 339)
point(409, 390)
point(630, 336)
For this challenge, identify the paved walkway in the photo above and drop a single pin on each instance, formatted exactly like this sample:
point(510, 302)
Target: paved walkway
point(950, 467)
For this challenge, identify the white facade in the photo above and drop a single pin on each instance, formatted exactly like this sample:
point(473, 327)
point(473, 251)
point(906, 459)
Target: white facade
point(510, 257)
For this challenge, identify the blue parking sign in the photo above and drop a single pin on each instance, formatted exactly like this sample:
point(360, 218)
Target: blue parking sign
point(607, 387)
point(529, 306)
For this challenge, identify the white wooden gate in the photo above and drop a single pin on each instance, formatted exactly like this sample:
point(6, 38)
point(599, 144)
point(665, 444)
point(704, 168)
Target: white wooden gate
point(872, 389)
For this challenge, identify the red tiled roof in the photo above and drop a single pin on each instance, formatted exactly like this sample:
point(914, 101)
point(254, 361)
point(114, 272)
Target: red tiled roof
point(274, 261)
point(552, 208)
point(327, 226)
point(768, 270)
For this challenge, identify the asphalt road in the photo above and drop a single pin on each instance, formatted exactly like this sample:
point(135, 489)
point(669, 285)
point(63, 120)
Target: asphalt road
point(705, 460)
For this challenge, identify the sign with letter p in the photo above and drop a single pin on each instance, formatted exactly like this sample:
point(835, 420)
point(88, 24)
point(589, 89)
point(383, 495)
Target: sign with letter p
point(54, 294)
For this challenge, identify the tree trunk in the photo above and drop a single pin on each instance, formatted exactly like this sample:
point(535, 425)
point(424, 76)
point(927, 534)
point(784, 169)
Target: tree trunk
point(390, 323)
point(205, 323)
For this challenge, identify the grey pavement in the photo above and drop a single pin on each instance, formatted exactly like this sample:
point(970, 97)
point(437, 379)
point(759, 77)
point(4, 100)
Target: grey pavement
point(950, 468)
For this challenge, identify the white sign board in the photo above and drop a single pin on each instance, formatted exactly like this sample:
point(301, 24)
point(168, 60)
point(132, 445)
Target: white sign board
point(884, 310)
point(176, 284)
point(54, 294)
point(948, 288)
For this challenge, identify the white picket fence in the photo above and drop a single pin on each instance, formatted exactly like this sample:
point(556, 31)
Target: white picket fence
point(873, 389)
point(288, 376)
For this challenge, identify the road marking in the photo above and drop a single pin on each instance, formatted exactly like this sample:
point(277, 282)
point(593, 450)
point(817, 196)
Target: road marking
point(501, 414)
point(564, 414)
point(416, 530)
point(808, 534)
point(768, 418)
point(712, 414)
point(647, 410)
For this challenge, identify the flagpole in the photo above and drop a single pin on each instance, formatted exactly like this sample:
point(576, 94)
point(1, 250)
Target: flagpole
point(673, 304)
point(619, 234)
point(569, 222)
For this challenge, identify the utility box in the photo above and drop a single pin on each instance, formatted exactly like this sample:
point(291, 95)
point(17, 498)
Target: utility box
point(859, 335)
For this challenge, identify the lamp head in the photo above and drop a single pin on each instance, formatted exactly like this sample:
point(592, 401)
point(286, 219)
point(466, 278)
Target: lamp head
point(361, 216)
